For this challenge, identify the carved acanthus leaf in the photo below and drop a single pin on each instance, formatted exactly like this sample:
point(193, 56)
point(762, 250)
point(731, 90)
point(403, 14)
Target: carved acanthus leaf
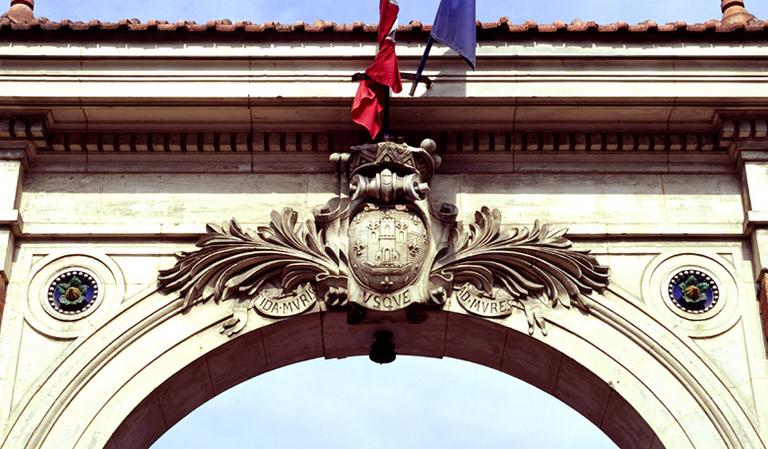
point(526, 264)
point(232, 264)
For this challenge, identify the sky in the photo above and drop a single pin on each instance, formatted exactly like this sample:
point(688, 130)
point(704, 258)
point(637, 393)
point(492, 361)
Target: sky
point(289, 11)
point(412, 403)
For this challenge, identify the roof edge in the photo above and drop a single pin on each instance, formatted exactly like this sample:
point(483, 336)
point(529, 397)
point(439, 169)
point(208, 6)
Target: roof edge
point(733, 24)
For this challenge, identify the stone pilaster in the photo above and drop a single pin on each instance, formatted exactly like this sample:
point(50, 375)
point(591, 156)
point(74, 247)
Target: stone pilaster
point(746, 136)
point(11, 173)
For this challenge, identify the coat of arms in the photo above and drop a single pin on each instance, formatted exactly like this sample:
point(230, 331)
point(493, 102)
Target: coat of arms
point(380, 244)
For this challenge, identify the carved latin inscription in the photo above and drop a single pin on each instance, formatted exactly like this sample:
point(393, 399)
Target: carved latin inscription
point(374, 245)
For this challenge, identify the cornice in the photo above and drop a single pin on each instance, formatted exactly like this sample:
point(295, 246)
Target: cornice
point(21, 136)
point(287, 141)
point(744, 134)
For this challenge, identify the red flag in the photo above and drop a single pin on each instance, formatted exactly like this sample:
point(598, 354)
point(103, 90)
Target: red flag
point(383, 73)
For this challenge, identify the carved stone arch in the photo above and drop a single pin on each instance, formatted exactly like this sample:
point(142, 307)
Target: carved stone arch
point(144, 370)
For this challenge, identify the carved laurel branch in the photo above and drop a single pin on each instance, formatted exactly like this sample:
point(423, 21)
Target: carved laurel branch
point(528, 264)
point(232, 264)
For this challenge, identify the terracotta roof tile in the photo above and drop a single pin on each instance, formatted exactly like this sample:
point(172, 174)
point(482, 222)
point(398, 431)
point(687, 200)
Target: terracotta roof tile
point(502, 25)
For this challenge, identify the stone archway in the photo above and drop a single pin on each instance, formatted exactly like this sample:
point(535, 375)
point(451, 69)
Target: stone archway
point(655, 174)
point(132, 366)
point(149, 366)
point(468, 339)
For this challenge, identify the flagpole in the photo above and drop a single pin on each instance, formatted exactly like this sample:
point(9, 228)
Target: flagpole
point(422, 64)
point(385, 119)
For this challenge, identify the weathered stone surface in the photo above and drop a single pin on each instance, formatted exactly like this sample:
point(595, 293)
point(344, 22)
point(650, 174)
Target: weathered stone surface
point(648, 186)
point(185, 391)
point(473, 339)
point(582, 390)
point(625, 426)
point(531, 361)
point(3, 287)
point(763, 299)
point(234, 363)
point(293, 340)
point(143, 426)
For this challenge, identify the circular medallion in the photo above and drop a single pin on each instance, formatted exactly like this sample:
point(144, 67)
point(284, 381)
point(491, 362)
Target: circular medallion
point(388, 246)
point(73, 292)
point(693, 291)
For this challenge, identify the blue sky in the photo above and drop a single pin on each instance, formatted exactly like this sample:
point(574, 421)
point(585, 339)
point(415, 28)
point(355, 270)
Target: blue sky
point(412, 403)
point(288, 11)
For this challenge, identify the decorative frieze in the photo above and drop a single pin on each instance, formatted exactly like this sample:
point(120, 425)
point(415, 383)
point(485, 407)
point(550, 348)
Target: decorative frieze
point(741, 126)
point(727, 128)
point(23, 128)
point(326, 142)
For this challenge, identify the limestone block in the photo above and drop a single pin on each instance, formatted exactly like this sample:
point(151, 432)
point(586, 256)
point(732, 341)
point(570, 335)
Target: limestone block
point(232, 364)
point(292, 341)
point(3, 286)
point(470, 338)
point(760, 250)
point(582, 390)
point(10, 183)
point(729, 354)
point(143, 426)
point(693, 198)
point(7, 241)
point(446, 189)
point(611, 204)
point(756, 177)
point(763, 298)
point(625, 426)
point(157, 202)
point(31, 364)
point(185, 391)
point(6, 257)
point(568, 199)
point(531, 361)
point(340, 339)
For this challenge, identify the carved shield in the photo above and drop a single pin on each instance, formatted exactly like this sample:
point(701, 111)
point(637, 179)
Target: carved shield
point(388, 246)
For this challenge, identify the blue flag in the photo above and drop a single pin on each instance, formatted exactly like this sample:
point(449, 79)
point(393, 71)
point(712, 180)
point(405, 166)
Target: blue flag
point(455, 26)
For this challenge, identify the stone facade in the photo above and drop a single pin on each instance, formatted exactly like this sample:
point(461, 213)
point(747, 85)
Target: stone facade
point(116, 152)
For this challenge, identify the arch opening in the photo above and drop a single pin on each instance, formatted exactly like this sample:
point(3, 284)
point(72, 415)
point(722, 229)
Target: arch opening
point(414, 403)
point(443, 334)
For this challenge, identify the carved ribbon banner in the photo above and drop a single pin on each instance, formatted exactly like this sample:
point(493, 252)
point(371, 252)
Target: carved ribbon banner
point(386, 248)
point(495, 271)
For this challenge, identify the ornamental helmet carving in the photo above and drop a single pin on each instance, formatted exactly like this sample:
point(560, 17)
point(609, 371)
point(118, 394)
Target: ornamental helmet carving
point(400, 158)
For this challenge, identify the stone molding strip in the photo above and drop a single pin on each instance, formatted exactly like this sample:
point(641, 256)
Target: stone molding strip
point(328, 142)
point(741, 129)
point(24, 128)
point(728, 127)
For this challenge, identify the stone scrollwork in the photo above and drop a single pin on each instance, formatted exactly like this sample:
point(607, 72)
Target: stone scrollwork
point(260, 270)
point(381, 245)
point(495, 272)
